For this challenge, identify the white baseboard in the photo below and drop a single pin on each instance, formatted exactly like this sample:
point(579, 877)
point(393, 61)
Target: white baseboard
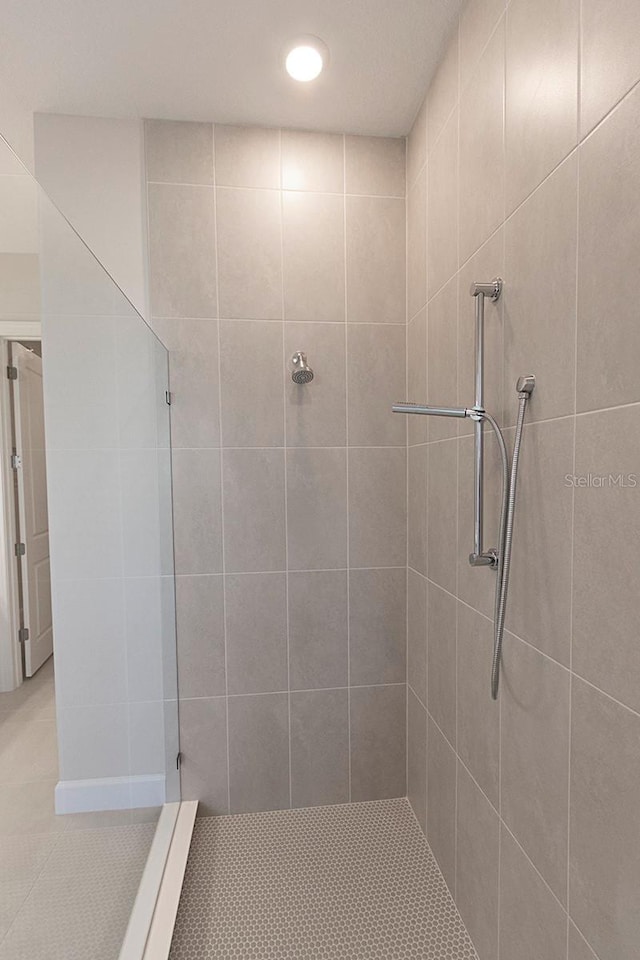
point(152, 920)
point(109, 793)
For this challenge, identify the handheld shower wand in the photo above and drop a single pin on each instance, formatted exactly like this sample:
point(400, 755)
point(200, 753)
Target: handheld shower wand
point(499, 558)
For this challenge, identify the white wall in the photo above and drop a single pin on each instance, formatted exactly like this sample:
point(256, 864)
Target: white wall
point(108, 474)
point(92, 169)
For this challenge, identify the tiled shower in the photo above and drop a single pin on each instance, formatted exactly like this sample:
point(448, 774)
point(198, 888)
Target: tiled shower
point(334, 644)
point(307, 232)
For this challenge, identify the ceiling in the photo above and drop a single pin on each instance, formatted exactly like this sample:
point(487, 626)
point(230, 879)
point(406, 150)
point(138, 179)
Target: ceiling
point(222, 59)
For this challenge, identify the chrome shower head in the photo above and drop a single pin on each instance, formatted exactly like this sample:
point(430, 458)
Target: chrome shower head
point(302, 372)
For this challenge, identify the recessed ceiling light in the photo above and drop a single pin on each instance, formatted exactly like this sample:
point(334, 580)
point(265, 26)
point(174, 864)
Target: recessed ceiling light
point(306, 58)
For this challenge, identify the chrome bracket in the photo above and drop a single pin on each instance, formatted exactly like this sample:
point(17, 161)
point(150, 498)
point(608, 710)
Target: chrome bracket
point(487, 559)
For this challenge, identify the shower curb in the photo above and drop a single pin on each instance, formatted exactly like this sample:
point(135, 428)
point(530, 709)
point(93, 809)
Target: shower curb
point(153, 917)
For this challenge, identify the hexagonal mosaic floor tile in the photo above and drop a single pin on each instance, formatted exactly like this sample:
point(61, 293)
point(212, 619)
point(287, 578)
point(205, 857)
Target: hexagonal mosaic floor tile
point(350, 882)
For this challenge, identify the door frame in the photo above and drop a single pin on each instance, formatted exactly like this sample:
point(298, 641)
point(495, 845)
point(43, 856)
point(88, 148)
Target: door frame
point(10, 652)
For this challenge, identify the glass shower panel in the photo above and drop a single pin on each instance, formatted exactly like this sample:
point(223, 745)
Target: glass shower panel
point(108, 697)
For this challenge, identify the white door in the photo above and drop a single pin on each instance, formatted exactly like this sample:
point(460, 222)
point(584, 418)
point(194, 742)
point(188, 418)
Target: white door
point(33, 519)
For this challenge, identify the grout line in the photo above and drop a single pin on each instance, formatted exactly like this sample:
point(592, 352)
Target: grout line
point(208, 319)
point(278, 189)
point(502, 412)
point(286, 497)
point(573, 500)
point(532, 864)
point(270, 693)
point(573, 924)
point(346, 414)
point(406, 433)
point(394, 446)
point(635, 86)
point(222, 524)
point(253, 573)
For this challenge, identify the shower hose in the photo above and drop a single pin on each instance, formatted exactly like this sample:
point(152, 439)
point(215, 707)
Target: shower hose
point(505, 536)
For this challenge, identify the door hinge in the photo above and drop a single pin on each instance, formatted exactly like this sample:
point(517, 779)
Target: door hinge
point(20, 549)
point(16, 461)
point(12, 373)
point(178, 761)
point(167, 397)
point(23, 635)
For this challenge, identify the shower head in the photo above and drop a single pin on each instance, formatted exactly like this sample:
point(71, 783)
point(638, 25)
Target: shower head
point(302, 372)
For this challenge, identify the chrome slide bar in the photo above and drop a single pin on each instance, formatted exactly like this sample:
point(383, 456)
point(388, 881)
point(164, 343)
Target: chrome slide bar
point(479, 556)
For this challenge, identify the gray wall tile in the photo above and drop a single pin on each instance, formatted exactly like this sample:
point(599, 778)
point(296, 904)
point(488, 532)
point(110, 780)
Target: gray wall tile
point(201, 644)
point(417, 466)
point(417, 245)
point(376, 374)
point(578, 948)
point(313, 244)
point(442, 241)
point(417, 144)
point(605, 609)
point(609, 233)
point(441, 803)
point(482, 149)
point(478, 716)
point(610, 63)
point(442, 95)
point(604, 869)
point(417, 758)
point(247, 156)
point(249, 254)
point(197, 511)
point(317, 508)
point(478, 20)
point(477, 867)
point(533, 925)
point(535, 758)
point(377, 626)
point(203, 743)
point(541, 91)
point(376, 269)
point(417, 634)
point(540, 582)
point(254, 510)
point(319, 747)
point(259, 752)
point(442, 513)
point(442, 359)
point(375, 166)
point(540, 333)
point(312, 161)
point(377, 507)
point(378, 725)
point(178, 151)
point(182, 251)
point(318, 629)
point(251, 384)
point(417, 375)
point(441, 663)
point(256, 622)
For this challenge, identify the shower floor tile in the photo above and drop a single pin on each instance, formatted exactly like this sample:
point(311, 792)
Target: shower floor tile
point(355, 881)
